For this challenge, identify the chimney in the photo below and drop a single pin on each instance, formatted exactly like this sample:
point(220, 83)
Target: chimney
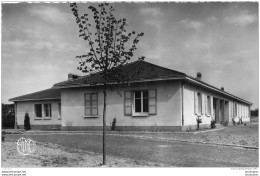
point(199, 76)
point(222, 88)
point(72, 76)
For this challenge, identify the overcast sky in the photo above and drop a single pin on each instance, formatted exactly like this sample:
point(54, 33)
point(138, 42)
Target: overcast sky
point(40, 42)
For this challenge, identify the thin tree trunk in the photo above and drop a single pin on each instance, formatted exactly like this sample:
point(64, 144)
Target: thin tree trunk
point(104, 126)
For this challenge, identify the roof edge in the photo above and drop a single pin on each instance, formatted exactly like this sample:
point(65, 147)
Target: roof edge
point(145, 80)
point(167, 79)
point(14, 100)
point(218, 90)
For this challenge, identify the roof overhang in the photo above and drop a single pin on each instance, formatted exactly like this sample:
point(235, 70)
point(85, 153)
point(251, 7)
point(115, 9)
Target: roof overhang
point(14, 100)
point(194, 81)
point(93, 85)
point(187, 78)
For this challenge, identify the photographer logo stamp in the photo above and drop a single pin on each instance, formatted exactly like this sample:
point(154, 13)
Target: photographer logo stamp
point(26, 146)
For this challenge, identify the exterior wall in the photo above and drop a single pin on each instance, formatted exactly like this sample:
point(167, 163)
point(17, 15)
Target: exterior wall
point(189, 112)
point(28, 107)
point(188, 109)
point(168, 106)
point(243, 111)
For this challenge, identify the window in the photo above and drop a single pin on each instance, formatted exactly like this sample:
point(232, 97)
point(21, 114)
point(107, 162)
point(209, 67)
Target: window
point(59, 106)
point(208, 105)
point(235, 110)
point(91, 104)
point(140, 102)
point(47, 110)
point(198, 103)
point(231, 109)
point(38, 110)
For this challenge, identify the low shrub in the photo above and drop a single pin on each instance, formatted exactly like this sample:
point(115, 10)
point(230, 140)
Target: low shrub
point(213, 124)
point(27, 124)
point(113, 127)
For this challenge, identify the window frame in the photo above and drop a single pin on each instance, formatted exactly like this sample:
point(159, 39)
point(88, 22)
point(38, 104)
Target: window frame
point(142, 113)
point(59, 109)
point(90, 104)
point(200, 103)
point(208, 102)
point(35, 112)
point(47, 106)
point(235, 110)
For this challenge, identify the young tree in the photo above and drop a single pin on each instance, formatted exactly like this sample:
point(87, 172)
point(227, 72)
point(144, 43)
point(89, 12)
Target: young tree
point(27, 124)
point(111, 47)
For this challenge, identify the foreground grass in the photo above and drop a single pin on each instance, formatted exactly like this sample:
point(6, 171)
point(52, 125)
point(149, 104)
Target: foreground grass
point(132, 149)
point(245, 135)
point(53, 155)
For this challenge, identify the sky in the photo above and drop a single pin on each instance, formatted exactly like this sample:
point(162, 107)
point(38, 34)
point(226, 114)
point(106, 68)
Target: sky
point(219, 39)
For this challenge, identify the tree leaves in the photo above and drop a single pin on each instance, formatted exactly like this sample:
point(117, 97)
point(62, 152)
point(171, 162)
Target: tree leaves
point(111, 46)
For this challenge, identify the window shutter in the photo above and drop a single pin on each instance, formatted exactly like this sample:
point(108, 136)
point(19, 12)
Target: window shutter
point(128, 103)
point(211, 106)
point(196, 103)
point(206, 104)
point(231, 109)
point(202, 104)
point(152, 101)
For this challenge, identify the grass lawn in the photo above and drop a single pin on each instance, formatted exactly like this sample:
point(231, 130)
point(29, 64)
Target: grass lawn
point(245, 135)
point(53, 155)
point(160, 152)
point(133, 149)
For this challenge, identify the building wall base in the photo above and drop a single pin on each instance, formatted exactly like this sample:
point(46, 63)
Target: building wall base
point(194, 127)
point(43, 127)
point(122, 128)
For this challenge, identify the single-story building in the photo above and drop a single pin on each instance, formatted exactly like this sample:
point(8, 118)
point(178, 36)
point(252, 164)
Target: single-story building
point(161, 99)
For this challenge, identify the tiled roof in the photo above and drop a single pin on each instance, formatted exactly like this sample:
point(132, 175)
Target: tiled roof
point(40, 95)
point(147, 71)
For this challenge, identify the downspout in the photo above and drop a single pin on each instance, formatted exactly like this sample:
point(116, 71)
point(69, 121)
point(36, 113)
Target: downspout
point(182, 104)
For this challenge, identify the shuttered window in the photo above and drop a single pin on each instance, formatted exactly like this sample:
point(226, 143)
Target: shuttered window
point(234, 109)
point(128, 103)
point(91, 104)
point(231, 109)
point(47, 110)
point(200, 103)
point(208, 105)
point(140, 102)
point(38, 110)
point(152, 102)
point(211, 105)
point(59, 106)
point(196, 103)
